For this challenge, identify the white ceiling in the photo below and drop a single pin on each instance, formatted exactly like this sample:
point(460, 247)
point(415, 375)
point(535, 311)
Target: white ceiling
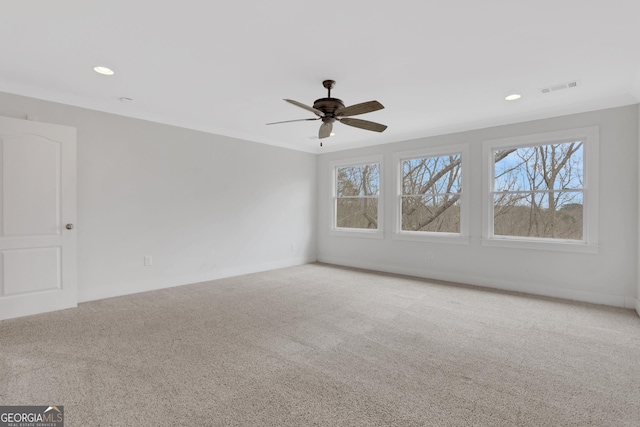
point(224, 67)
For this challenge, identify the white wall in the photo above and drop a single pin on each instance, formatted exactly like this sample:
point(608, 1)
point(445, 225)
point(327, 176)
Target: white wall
point(608, 277)
point(203, 206)
point(184, 198)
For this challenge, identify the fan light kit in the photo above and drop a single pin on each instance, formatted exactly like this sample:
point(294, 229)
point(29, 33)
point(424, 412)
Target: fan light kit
point(103, 70)
point(330, 110)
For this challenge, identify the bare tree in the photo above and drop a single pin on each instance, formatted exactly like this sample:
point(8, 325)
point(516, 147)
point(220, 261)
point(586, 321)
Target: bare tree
point(430, 193)
point(357, 196)
point(538, 192)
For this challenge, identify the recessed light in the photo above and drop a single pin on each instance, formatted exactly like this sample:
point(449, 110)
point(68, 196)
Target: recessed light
point(512, 97)
point(103, 70)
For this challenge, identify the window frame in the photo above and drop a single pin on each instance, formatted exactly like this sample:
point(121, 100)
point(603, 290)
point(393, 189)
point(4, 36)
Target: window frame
point(357, 232)
point(433, 236)
point(590, 137)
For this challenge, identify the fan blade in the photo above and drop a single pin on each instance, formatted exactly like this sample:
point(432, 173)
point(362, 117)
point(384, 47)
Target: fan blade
point(364, 107)
point(364, 124)
point(306, 107)
point(289, 121)
point(325, 130)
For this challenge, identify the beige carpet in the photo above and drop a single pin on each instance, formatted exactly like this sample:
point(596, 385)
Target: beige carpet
point(318, 345)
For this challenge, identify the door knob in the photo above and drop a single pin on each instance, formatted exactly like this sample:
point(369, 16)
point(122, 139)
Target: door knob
point(69, 226)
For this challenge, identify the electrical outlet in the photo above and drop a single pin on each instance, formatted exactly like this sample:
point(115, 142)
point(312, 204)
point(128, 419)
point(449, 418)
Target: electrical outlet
point(148, 260)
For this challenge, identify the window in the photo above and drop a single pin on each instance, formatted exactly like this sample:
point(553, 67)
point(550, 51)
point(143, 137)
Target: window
point(431, 190)
point(357, 196)
point(543, 188)
point(538, 191)
point(431, 203)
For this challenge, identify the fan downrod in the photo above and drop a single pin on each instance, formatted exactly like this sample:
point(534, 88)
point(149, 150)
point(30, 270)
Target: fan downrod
point(329, 84)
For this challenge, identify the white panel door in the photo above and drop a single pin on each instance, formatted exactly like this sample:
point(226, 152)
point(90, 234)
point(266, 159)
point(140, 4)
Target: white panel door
point(37, 218)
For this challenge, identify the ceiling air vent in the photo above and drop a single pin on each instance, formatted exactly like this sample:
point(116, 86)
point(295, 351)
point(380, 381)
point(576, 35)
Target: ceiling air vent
point(558, 87)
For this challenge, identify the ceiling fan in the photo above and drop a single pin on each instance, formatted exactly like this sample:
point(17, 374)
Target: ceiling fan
point(331, 109)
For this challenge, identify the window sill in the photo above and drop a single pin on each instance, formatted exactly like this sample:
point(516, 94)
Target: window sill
point(453, 238)
point(357, 232)
point(537, 244)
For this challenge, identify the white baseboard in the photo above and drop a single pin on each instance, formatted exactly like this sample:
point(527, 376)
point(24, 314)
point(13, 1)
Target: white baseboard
point(506, 285)
point(530, 288)
point(631, 303)
point(85, 295)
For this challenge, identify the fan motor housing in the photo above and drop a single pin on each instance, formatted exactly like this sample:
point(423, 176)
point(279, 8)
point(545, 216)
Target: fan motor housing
point(328, 105)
